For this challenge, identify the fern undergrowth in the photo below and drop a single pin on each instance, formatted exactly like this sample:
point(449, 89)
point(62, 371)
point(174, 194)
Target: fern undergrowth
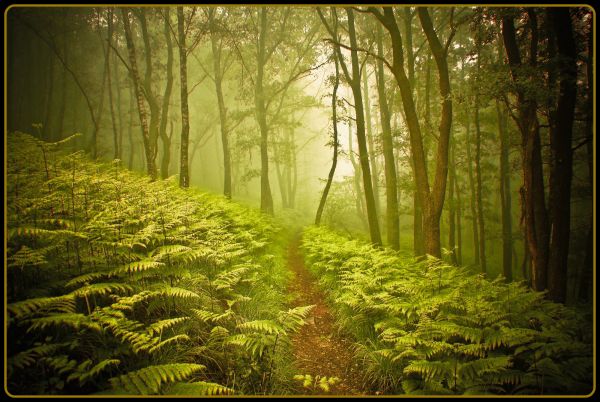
point(427, 327)
point(119, 285)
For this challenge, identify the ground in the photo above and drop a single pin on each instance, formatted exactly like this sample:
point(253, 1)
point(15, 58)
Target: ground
point(318, 347)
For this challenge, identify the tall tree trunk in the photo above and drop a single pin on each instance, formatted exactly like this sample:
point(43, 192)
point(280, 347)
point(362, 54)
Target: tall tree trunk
point(433, 200)
point(266, 199)
point(473, 197)
point(292, 177)
point(63, 80)
point(117, 152)
point(119, 109)
point(363, 155)
point(130, 129)
point(458, 211)
point(562, 156)
point(452, 210)
point(184, 178)
point(148, 91)
point(479, 186)
point(150, 164)
point(418, 239)
point(372, 151)
point(505, 195)
point(533, 199)
point(334, 142)
point(165, 139)
point(360, 199)
point(218, 75)
point(391, 182)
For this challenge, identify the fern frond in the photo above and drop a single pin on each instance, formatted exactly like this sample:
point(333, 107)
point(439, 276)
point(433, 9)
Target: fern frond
point(159, 326)
point(263, 326)
point(30, 306)
point(199, 388)
point(102, 289)
point(149, 380)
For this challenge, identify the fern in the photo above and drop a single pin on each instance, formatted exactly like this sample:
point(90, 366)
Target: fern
point(199, 388)
point(149, 380)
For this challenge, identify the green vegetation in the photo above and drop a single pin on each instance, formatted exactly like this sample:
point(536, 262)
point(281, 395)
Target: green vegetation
point(427, 327)
point(119, 285)
point(444, 154)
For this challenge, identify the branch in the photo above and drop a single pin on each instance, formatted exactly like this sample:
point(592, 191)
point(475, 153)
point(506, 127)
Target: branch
point(368, 52)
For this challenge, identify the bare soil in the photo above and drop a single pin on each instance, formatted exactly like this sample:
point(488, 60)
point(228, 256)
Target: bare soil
point(317, 347)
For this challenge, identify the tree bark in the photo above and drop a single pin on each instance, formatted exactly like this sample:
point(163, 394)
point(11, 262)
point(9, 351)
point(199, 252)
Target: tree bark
point(335, 142)
point(534, 209)
point(116, 150)
point(363, 155)
point(452, 210)
point(184, 178)
point(505, 195)
point(150, 164)
point(218, 76)
point(372, 151)
point(391, 182)
point(165, 139)
point(562, 155)
point(266, 198)
point(479, 187)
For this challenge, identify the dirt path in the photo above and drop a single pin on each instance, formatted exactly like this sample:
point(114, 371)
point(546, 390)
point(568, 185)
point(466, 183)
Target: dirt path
point(317, 347)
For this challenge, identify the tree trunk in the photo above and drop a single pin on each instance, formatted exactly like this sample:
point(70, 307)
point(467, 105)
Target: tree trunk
point(363, 155)
point(266, 199)
point(165, 139)
point(334, 142)
point(533, 201)
point(479, 187)
point(148, 92)
point(562, 156)
point(391, 182)
point(372, 151)
point(505, 195)
point(473, 198)
point(218, 75)
point(458, 211)
point(150, 164)
point(117, 152)
point(451, 210)
point(130, 129)
point(184, 178)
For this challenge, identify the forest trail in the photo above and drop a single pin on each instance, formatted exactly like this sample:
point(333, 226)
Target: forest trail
point(317, 348)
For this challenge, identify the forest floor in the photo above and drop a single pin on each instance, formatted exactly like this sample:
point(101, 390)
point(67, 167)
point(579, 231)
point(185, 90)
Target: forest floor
point(318, 348)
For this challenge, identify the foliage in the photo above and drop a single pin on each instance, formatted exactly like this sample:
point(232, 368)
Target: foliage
point(121, 285)
point(426, 327)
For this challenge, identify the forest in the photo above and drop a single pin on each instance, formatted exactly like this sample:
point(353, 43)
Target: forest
point(299, 200)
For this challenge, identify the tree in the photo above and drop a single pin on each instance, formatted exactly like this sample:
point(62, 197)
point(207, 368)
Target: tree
point(432, 200)
point(334, 141)
point(149, 152)
point(354, 80)
point(184, 178)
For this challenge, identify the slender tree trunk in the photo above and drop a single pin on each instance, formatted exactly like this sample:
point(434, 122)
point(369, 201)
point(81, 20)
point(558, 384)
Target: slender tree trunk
point(184, 178)
point(63, 96)
point(266, 199)
point(458, 211)
point(532, 193)
point(165, 139)
point(148, 91)
point(292, 178)
point(119, 110)
point(372, 151)
point(117, 152)
point(562, 156)
point(334, 142)
point(150, 164)
point(130, 130)
point(507, 242)
point(479, 187)
point(391, 182)
point(473, 198)
point(354, 80)
point(451, 210)
point(216, 52)
point(360, 199)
